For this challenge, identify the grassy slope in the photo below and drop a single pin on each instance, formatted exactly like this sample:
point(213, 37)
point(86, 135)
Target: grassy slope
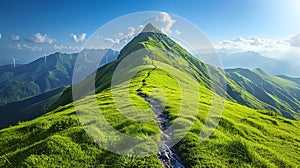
point(28, 109)
point(36, 77)
point(275, 93)
point(245, 137)
point(296, 80)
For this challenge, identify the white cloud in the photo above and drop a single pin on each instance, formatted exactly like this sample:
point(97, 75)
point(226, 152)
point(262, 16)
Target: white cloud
point(130, 33)
point(177, 32)
point(14, 37)
point(253, 43)
point(32, 48)
point(113, 41)
point(60, 47)
point(164, 22)
point(294, 40)
point(0, 36)
point(287, 48)
point(25, 46)
point(78, 38)
point(66, 48)
point(19, 47)
point(39, 38)
point(125, 36)
point(119, 35)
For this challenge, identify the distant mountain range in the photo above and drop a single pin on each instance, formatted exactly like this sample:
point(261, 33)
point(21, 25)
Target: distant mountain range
point(42, 75)
point(281, 94)
point(253, 60)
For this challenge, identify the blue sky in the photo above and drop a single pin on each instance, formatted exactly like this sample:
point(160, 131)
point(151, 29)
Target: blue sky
point(29, 28)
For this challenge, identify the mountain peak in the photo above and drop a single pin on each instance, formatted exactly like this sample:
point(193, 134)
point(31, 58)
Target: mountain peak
point(150, 28)
point(258, 70)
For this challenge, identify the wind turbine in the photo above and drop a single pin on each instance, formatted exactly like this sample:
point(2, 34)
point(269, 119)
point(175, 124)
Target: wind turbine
point(14, 61)
point(84, 56)
point(45, 57)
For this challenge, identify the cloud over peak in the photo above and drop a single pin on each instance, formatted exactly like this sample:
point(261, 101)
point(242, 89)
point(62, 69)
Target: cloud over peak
point(165, 22)
point(39, 38)
point(78, 38)
point(125, 36)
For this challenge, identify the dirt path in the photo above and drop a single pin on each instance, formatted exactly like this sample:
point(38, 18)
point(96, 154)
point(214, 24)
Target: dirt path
point(166, 154)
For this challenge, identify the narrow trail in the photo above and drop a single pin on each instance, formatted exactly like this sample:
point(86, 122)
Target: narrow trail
point(166, 154)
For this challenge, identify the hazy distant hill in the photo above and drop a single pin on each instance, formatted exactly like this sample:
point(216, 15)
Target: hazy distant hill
point(253, 60)
point(39, 76)
point(296, 80)
point(278, 94)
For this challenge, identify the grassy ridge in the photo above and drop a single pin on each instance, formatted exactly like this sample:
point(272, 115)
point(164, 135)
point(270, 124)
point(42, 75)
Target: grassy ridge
point(28, 109)
point(244, 137)
point(274, 93)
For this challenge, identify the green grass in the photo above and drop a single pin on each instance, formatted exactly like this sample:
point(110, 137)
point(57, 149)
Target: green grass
point(259, 90)
point(244, 137)
point(28, 109)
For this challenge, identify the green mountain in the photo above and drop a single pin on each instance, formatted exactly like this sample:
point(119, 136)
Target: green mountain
point(275, 93)
point(36, 77)
point(245, 137)
point(28, 109)
point(31, 79)
point(296, 80)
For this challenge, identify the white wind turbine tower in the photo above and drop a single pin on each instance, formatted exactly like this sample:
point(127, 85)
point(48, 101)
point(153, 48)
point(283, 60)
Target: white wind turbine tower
point(45, 57)
point(14, 61)
point(84, 56)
